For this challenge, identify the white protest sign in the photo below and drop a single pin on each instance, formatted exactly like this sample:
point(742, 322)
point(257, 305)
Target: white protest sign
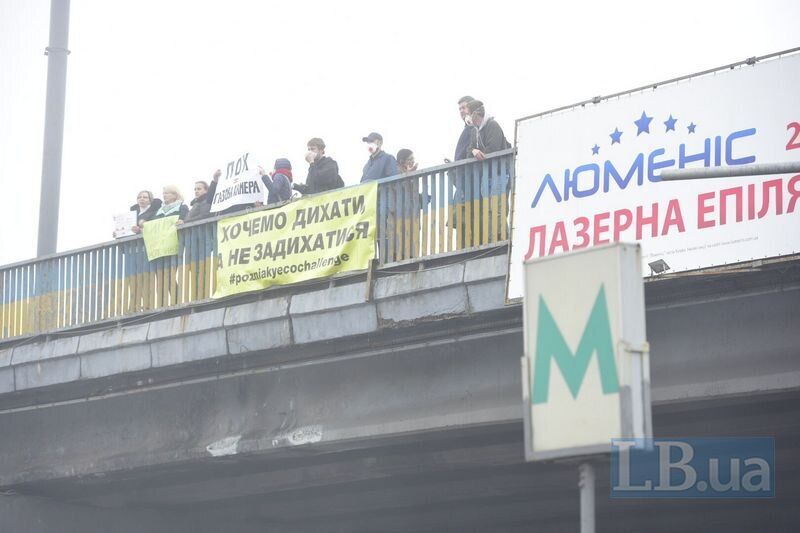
point(239, 184)
point(123, 223)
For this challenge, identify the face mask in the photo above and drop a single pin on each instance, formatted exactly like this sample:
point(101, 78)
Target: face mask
point(468, 120)
point(372, 147)
point(311, 156)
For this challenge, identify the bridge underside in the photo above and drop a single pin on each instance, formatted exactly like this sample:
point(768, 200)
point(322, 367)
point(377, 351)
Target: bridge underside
point(459, 480)
point(416, 429)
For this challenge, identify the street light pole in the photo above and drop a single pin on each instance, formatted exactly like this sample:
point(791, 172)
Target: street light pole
point(50, 193)
point(762, 169)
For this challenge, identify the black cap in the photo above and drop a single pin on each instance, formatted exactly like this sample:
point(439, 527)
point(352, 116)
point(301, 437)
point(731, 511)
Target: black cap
point(372, 137)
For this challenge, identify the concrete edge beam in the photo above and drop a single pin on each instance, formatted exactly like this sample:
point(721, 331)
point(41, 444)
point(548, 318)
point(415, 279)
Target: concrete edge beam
point(47, 372)
point(485, 268)
point(52, 349)
point(487, 296)
point(115, 361)
point(329, 299)
point(420, 281)
point(190, 323)
point(259, 336)
point(335, 324)
point(177, 350)
point(259, 311)
point(113, 338)
point(6, 380)
point(429, 305)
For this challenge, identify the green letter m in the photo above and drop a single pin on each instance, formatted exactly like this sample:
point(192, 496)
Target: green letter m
point(550, 343)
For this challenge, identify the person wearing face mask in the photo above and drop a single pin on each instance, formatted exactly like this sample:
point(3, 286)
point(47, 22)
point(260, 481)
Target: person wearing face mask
point(323, 172)
point(380, 164)
point(487, 135)
point(146, 208)
point(406, 163)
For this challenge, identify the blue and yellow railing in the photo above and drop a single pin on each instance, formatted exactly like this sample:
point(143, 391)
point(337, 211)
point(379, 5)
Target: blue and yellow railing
point(435, 211)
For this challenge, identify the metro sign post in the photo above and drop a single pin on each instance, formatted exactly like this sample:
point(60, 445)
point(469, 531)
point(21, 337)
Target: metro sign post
point(586, 368)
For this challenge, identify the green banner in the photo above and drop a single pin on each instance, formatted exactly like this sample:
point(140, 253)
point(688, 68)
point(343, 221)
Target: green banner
point(160, 237)
point(311, 238)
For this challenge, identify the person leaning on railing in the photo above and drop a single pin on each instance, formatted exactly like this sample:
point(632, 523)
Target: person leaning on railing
point(146, 208)
point(323, 172)
point(487, 138)
point(172, 205)
point(487, 135)
point(200, 206)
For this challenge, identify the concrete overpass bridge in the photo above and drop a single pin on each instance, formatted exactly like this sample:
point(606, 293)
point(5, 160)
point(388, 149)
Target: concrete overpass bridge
point(381, 401)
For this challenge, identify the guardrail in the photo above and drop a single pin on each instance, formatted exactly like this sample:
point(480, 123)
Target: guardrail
point(434, 211)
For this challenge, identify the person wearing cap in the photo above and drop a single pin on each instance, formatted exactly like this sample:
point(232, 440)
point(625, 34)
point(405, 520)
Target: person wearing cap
point(380, 164)
point(323, 172)
point(278, 182)
point(487, 136)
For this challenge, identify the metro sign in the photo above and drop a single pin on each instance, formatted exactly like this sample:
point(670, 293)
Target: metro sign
point(586, 365)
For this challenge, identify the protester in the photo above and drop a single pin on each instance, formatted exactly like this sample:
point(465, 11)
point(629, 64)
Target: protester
point(278, 182)
point(405, 161)
point(487, 135)
point(212, 189)
point(146, 208)
point(200, 206)
point(380, 164)
point(462, 146)
point(172, 205)
point(323, 172)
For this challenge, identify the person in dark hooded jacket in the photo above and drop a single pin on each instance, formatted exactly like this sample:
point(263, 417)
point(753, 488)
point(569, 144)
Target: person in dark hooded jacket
point(323, 172)
point(200, 206)
point(146, 208)
point(278, 182)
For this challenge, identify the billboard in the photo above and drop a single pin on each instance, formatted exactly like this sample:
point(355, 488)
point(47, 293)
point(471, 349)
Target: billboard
point(586, 368)
point(590, 175)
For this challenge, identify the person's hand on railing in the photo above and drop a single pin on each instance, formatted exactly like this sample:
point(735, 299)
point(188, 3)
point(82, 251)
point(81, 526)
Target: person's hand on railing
point(178, 222)
point(136, 229)
point(477, 154)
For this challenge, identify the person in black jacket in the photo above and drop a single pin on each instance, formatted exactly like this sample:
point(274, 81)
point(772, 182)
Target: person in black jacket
point(487, 136)
point(462, 146)
point(323, 172)
point(146, 208)
point(200, 206)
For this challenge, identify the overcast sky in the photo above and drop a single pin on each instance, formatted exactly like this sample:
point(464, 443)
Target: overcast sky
point(164, 92)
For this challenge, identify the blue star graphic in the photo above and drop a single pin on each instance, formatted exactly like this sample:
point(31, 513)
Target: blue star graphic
point(670, 123)
point(595, 149)
point(643, 124)
point(615, 136)
point(691, 127)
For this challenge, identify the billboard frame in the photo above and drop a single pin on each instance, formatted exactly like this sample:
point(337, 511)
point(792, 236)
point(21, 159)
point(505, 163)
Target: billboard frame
point(751, 61)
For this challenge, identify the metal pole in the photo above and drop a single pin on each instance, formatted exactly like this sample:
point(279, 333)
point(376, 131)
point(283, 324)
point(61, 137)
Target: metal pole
point(730, 172)
point(49, 196)
point(586, 484)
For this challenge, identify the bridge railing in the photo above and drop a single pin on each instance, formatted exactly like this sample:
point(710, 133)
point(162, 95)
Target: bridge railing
point(439, 210)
